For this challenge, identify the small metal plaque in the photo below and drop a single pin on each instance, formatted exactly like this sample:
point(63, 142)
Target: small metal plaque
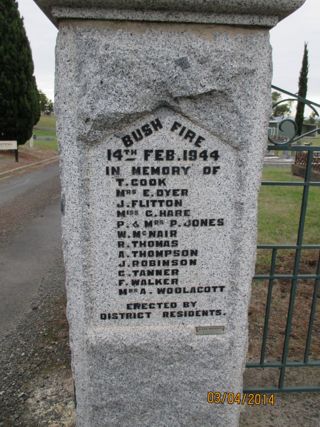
point(210, 330)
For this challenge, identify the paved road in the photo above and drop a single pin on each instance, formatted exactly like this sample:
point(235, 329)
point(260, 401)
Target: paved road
point(30, 240)
point(15, 186)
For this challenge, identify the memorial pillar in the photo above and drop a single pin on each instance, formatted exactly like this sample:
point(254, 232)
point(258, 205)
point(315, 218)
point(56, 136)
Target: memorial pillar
point(162, 109)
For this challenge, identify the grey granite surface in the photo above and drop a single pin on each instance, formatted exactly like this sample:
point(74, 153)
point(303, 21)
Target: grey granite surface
point(264, 13)
point(113, 79)
point(160, 125)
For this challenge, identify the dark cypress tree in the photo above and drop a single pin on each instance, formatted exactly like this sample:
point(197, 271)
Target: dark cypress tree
point(303, 88)
point(19, 98)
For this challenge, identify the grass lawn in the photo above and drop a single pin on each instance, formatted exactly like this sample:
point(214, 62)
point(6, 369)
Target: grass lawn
point(314, 141)
point(279, 214)
point(47, 122)
point(46, 145)
point(45, 128)
point(278, 221)
point(44, 132)
point(279, 209)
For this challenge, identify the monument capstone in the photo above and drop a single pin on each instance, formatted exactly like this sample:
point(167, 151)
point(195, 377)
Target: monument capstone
point(162, 109)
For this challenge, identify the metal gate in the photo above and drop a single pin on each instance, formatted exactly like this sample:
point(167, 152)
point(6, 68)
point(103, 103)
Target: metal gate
point(295, 284)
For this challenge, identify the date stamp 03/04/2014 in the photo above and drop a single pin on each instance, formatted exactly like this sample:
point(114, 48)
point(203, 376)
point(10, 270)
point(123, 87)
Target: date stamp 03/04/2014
point(251, 399)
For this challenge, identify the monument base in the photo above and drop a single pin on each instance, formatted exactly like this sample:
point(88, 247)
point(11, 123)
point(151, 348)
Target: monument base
point(159, 377)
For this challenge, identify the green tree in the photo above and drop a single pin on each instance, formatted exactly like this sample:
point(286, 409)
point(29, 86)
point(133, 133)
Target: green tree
point(46, 105)
point(280, 110)
point(303, 88)
point(19, 99)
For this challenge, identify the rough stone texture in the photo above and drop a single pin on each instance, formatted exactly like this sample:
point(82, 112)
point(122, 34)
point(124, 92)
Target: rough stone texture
point(264, 13)
point(112, 77)
point(123, 83)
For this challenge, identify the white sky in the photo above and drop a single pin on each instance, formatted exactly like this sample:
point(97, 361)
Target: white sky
point(287, 40)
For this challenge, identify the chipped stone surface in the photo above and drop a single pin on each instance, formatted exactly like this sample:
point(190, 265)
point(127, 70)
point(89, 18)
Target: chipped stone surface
point(121, 87)
point(129, 70)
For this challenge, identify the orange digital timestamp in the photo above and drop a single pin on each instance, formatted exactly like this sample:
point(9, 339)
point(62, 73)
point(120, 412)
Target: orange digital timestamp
point(229, 398)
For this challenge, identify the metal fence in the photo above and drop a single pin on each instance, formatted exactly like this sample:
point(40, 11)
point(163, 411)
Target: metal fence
point(294, 279)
